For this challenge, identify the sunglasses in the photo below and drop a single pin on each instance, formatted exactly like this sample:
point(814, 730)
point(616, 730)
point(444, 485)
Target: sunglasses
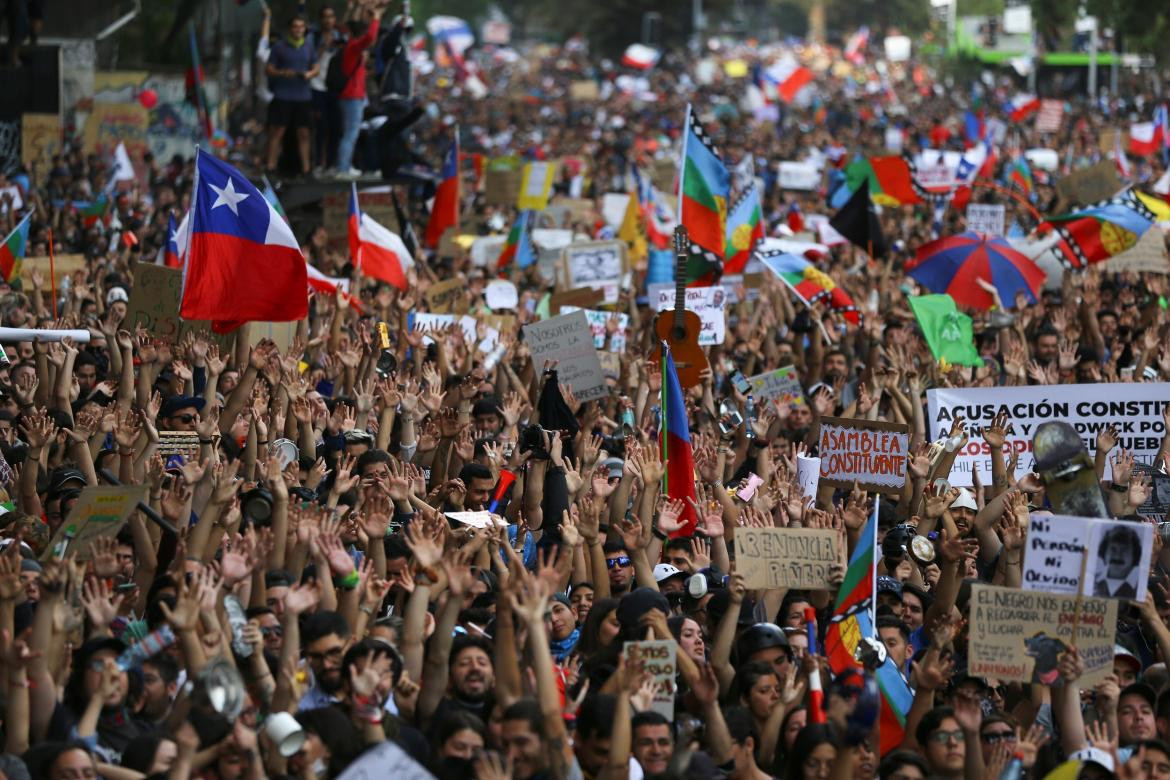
point(184, 418)
point(619, 561)
point(272, 631)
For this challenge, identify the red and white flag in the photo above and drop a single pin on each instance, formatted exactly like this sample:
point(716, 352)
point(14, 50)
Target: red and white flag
point(640, 56)
point(382, 254)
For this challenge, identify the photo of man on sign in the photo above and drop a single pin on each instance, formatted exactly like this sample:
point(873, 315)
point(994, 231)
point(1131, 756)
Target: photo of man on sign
point(1117, 563)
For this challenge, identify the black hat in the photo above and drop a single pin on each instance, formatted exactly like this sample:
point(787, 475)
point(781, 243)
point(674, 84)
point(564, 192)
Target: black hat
point(887, 584)
point(93, 646)
point(61, 478)
point(761, 636)
point(176, 402)
point(1140, 689)
point(637, 603)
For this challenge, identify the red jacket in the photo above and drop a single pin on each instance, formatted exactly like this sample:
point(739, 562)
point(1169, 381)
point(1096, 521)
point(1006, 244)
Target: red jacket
point(351, 59)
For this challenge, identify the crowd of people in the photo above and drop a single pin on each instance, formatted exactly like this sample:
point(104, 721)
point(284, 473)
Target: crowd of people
point(305, 604)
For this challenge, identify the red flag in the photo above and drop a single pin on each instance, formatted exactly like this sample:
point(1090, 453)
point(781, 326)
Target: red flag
point(445, 210)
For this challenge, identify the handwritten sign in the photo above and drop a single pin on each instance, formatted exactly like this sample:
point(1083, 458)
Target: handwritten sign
point(184, 443)
point(501, 294)
point(986, 218)
point(870, 453)
point(568, 340)
point(386, 759)
point(786, 557)
point(477, 519)
point(446, 296)
point(1050, 116)
point(781, 384)
point(1019, 636)
point(100, 511)
point(596, 264)
point(598, 322)
point(40, 139)
point(154, 304)
point(707, 302)
point(1115, 555)
point(111, 123)
point(658, 657)
point(808, 475)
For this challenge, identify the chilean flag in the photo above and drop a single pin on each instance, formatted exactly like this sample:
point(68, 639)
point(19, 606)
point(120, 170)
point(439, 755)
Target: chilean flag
point(1022, 106)
point(355, 220)
point(1146, 138)
point(243, 261)
point(676, 444)
point(445, 209)
point(383, 255)
point(169, 254)
point(331, 285)
point(640, 56)
point(784, 79)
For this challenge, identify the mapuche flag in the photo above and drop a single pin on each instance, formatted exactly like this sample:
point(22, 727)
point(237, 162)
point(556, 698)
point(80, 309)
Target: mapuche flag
point(745, 231)
point(705, 187)
point(13, 249)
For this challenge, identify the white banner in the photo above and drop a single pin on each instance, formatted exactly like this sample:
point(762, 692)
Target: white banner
point(1134, 408)
point(799, 175)
point(707, 302)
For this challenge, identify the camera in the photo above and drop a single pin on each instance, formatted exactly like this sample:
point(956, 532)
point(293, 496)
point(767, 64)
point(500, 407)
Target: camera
point(532, 440)
point(902, 540)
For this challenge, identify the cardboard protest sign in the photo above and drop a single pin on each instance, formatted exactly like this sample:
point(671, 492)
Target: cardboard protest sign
point(584, 89)
point(658, 658)
point(1148, 255)
point(568, 340)
point(65, 265)
point(1019, 636)
point(185, 443)
point(154, 304)
point(485, 250)
point(501, 187)
point(611, 364)
point(446, 296)
point(986, 218)
point(707, 302)
point(1088, 185)
point(598, 322)
point(40, 139)
point(536, 183)
point(870, 453)
point(100, 511)
point(808, 475)
point(597, 264)
point(582, 297)
point(786, 557)
point(781, 384)
point(1134, 408)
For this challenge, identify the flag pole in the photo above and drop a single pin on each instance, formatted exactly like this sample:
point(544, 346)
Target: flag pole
point(877, 500)
point(662, 432)
point(682, 165)
point(52, 275)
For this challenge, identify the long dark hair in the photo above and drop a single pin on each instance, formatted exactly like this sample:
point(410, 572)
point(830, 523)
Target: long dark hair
point(810, 737)
point(590, 642)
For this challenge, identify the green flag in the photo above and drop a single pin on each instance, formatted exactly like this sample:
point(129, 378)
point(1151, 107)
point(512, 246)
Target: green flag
point(948, 331)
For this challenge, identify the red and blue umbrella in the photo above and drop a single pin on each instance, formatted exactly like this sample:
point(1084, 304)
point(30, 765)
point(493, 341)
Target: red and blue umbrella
point(953, 264)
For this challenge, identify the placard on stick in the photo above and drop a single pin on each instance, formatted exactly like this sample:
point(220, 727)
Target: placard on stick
point(868, 452)
point(1107, 558)
point(568, 340)
point(658, 658)
point(100, 511)
point(1019, 636)
point(596, 264)
point(786, 557)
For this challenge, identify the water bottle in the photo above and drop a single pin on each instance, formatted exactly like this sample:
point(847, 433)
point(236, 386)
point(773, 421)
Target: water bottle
point(1014, 769)
point(750, 407)
point(237, 619)
point(154, 642)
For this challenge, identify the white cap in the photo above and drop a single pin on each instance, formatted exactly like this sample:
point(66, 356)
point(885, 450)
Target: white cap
point(665, 571)
point(966, 500)
point(1096, 755)
point(116, 294)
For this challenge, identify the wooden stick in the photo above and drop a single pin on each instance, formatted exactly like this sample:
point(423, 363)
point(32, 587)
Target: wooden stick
point(1080, 597)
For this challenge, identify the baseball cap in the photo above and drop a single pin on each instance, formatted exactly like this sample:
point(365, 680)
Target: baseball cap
point(1121, 652)
point(116, 294)
point(966, 500)
point(176, 402)
point(1139, 689)
point(664, 571)
point(888, 584)
point(1096, 755)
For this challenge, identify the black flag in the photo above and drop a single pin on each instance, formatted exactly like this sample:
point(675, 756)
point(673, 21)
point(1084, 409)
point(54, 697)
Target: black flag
point(859, 223)
point(405, 228)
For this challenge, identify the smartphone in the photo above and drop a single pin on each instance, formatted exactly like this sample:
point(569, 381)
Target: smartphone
point(749, 490)
point(740, 382)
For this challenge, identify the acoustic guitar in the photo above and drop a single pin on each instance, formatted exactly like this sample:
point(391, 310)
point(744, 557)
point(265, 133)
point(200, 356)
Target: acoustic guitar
point(680, 328)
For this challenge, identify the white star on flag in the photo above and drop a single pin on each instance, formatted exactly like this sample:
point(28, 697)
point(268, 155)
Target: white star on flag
point(227, 196)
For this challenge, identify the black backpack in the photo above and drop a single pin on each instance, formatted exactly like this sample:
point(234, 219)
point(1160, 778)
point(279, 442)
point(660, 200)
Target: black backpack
point(336, 78)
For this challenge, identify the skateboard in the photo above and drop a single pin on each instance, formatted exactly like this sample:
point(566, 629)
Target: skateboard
point(1064, 465)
